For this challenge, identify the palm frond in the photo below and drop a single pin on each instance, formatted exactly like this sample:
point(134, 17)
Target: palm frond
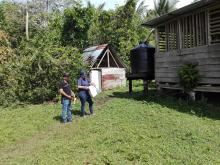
point(142, 8)
point(162, 7)
point(101, 6)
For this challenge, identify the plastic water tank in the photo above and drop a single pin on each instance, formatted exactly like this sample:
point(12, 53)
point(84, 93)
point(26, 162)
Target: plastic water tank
point(142, 60)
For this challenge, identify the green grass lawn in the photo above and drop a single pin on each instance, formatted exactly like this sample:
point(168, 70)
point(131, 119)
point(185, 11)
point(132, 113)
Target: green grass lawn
point(125, 130)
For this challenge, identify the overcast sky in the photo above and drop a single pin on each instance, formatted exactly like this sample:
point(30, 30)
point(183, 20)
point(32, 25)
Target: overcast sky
point(110, 4)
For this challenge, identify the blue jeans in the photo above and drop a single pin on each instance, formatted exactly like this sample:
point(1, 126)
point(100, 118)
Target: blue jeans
point(84, 96)
point(66, 110)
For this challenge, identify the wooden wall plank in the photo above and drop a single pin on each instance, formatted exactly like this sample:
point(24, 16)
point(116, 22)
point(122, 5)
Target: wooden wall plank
point(214, 74)
point(201, 68)
point(207, 58)
point(176, 80)
point(197, 57)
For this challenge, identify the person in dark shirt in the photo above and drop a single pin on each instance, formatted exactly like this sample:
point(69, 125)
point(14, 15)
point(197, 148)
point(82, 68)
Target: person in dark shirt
point(66, 96)
point(83, 88)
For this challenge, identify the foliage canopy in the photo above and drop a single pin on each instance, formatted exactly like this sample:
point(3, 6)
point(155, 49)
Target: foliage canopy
point(58, 31)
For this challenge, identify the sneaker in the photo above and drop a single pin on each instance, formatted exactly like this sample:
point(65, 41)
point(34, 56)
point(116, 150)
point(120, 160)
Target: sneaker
point(63, 121)
point(83, 116)
point(87, 113)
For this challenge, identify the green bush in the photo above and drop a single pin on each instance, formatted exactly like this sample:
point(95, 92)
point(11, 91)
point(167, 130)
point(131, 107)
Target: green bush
point(8, 83)
point(42, 73)
point(30, 70)
point(34, 74)
point(188, 76)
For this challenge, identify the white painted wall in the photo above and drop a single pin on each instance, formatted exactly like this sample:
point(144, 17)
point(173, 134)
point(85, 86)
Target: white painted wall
point(96, 78)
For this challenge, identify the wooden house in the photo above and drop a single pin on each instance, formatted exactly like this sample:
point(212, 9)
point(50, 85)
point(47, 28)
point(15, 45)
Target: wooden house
point(107, 71)
point(188, 35)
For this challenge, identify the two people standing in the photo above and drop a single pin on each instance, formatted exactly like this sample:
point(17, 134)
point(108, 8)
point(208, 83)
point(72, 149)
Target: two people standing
point(67, 95)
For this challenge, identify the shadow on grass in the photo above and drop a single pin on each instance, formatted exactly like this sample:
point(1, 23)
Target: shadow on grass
point(57, 118)
point(74, 112)
point(199, 109)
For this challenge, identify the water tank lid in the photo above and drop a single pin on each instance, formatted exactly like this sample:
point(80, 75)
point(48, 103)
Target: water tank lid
point(143, 45)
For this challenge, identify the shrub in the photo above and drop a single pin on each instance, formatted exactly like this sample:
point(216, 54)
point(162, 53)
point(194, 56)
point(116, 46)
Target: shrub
point(42, 72)
point(188, 76)
point(33, 75)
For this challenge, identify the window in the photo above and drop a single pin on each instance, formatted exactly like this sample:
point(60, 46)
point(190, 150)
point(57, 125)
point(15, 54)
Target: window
point(162, 39)
point(194, 30)
point(189, 31)
point(214, 21)
point(172, 35)
point(168, 37)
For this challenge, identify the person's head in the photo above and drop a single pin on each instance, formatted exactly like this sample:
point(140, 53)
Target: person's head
point(83, 74)
point(66, 76)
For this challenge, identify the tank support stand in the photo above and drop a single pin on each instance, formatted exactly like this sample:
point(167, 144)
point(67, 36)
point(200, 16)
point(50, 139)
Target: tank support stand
point(130, 86)
point(145, 84)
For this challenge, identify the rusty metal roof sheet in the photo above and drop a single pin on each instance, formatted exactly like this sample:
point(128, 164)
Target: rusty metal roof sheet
point(91, 54)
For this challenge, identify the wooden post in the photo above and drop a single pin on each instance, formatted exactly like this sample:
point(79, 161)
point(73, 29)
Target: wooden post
point(186, 34)
point(180, 37)
point(208, 28)
point(157, 40)
point(130, 86)
point(194, 33)
point(26, 22)
point(114, 59)
point(47, 4)
point(192, 96)
point(203, 98)
point(108, 58)
point(145, 82)
point(101, 59)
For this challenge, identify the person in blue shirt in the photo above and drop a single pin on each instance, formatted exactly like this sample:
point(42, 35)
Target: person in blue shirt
point(84, 96)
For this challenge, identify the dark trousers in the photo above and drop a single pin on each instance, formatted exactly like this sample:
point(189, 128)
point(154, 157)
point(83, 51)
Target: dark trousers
point(85, 97)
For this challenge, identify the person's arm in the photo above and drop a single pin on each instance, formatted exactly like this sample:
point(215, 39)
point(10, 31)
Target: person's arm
point(82, 87)
point(91, 83)
point(73, 94)
point(64, 94)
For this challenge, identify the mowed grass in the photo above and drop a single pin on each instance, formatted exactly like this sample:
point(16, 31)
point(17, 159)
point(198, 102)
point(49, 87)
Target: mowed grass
point(125, 130)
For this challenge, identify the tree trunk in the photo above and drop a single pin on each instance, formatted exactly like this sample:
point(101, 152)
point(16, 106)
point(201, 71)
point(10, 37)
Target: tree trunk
point(47, 4)
point(27, 24)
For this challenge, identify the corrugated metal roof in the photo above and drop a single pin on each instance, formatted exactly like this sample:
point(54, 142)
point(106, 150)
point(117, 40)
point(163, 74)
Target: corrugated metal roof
point(179, 12)
point(91, 54)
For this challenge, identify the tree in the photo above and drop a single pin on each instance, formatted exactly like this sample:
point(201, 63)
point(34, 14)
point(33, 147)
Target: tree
point(121, 28)
point(5, 49)
point(77, 22)
point(58, 32)
point(100, 7)
point(142, 9)
point(13, 21)
point(32, 74)
point(162, 7)
point(128, 31)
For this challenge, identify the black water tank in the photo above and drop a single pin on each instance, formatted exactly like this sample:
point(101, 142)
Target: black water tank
point(142, 60)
